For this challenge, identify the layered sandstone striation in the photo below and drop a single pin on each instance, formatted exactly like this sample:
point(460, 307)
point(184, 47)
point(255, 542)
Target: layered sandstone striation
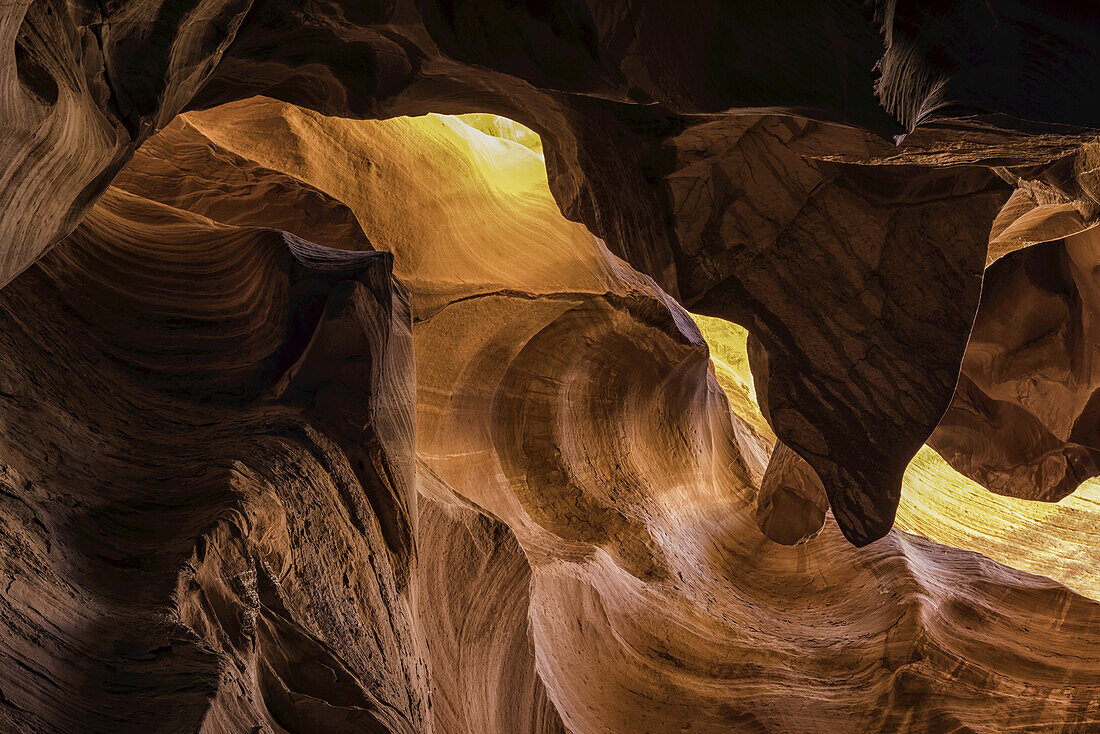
point(205, 417)
point(324, 413)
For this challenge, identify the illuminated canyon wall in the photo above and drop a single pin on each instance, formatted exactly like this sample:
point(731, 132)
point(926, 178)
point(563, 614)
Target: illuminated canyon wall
point(743, 383)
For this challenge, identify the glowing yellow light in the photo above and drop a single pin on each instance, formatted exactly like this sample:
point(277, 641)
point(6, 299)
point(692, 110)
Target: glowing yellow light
point(1057, 540)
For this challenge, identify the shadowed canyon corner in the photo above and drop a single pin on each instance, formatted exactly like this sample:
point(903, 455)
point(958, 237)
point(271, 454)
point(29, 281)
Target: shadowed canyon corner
point(484, 367)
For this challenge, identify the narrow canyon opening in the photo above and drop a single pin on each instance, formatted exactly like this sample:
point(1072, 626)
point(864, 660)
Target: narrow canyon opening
point(395, 446)
point(549, 368)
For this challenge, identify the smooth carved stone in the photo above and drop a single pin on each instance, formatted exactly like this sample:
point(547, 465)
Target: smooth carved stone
point(475, 589)
point(669, 648)
point(791, 505)
point(1024, 420)
point(559, 393)
point(234, 190)
point(609, 90)
point(1024, 221)
point(1057, 540)
point(670, 636)
point(562, 455)
point(740, 183)
point(887, 263)
point(181, 428)
point(1051, 200)
point(87, 82)
point(209, 498)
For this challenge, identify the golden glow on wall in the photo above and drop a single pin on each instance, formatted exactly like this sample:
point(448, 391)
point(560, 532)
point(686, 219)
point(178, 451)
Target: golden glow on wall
point(1057, 540)
point(475, 179)
point(501, 127)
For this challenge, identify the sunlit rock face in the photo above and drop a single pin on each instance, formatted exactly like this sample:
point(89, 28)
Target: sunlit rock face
point(322, 413)
point(1024, 422)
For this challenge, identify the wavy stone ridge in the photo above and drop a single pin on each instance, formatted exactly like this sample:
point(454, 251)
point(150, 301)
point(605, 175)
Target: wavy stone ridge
point(583, 481)
point(195, 400)
point(632, 99)
point(320, 424)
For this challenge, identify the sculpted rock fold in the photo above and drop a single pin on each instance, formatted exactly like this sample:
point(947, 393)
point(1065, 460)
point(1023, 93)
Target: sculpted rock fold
point(611, 89)
point(1024, 419)
point(211, 487)
point(888, 264)
point(179, 431)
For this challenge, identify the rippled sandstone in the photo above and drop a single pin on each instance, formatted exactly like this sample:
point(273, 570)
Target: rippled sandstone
point(323, 423)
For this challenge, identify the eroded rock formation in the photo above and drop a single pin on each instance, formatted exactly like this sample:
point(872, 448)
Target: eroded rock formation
point(322, 423)
point(190, 434)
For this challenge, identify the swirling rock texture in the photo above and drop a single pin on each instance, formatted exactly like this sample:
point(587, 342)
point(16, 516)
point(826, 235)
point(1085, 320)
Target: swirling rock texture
point(321, 417)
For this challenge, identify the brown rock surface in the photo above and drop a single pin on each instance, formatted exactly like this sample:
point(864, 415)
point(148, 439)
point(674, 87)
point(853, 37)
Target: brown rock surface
point(322, 424)
point(620, 92)
point(757, 221)
point(791, 505)
point(195, 400)
point(1024, 421)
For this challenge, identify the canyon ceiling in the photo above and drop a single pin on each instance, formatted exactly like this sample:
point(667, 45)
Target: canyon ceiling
point(498, 367)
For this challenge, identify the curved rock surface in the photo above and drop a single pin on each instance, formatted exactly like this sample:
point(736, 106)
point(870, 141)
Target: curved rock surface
point(1023, 422)
point(196, 399)
point(314, 423)
point(622, 93)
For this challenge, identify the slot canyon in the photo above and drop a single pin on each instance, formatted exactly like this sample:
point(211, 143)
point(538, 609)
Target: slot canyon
point(549, 367)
